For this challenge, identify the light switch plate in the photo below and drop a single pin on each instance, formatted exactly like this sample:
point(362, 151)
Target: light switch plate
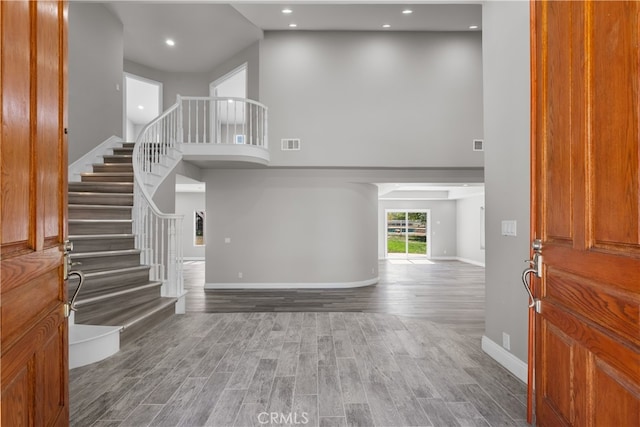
point(509, 228)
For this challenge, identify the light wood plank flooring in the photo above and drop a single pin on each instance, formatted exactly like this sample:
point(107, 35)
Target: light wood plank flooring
point(448, 292)
point(410, 361)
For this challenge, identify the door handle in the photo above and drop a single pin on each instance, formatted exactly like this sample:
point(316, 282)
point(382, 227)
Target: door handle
point(535, 267)
point(527, 285)
point(71, 304)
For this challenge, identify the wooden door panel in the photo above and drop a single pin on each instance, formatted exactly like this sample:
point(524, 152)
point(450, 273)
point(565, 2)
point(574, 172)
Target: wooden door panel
point(618, 312)
point(54, 389)
point(614, 126)
point(586, 68)
point(34, 381)
point(28, 303)
point(557, 385)
point(16, 184)
point(557, 174)
point(48, 119)
point(15, 394)
point(609, 386)
point(34, 354)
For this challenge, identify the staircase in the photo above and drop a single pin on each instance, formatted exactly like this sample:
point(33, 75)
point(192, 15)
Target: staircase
point(117, 290)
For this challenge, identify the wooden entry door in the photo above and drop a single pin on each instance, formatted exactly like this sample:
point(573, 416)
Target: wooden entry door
point(586, 150)
point(33, 214)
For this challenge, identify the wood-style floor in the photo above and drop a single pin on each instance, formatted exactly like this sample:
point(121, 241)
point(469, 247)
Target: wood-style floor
point(312, 368)
point(448, 292)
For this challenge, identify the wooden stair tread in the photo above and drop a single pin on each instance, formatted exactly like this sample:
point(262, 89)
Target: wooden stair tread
point(114, 293)
point(119, 291)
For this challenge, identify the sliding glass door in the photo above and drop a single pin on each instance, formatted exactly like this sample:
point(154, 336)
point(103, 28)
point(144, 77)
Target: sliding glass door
point(407, 233)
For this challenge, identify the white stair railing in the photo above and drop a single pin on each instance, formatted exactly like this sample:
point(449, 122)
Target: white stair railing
point(158, 235)
point(223, 120)
point(191, 120)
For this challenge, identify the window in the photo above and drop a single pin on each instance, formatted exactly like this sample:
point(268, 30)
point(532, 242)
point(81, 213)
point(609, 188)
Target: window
point(407, 233)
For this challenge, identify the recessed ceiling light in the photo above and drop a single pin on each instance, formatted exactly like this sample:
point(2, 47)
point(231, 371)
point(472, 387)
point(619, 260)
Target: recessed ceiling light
point(170, 42)
point(140, 107)
point(293, 25)
point(473, 27)
point(287, 11)
point(386, 25)
point(407, 12)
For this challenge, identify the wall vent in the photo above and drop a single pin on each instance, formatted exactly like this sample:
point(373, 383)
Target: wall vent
point(290, 144)
point(478, 145)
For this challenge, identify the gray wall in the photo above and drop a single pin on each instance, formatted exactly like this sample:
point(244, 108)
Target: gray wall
point(289, 226)
point(506, 124)
point(443, 224)
point(95, 69)
point(373, 98)
point(250, 56)
point(186, 84)
point(187, 204)
point(165, 195)
point(468, 229)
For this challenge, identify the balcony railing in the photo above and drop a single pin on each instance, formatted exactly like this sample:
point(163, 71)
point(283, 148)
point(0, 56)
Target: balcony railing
point(223, 120)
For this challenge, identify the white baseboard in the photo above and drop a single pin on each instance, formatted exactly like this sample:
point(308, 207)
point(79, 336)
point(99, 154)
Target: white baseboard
point(510, 362)
point(194, 258)
point(85, 163)
point(340, 285)
point(181, 304)
point(470, 261)
point(444, 258)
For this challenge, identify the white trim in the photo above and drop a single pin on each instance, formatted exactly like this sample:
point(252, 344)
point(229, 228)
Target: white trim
point(181, 303)
point(193, 258)
point(470, 261)
point(510, 362)
point(337, 285)
point(85, 163)
point(445, 258)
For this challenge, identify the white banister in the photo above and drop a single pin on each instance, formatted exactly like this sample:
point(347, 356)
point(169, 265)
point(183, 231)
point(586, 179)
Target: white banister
point(157, 234)
point(158, 148)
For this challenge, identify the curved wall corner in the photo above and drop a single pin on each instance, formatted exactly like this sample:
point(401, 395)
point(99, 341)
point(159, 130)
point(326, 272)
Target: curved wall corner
point(289, 229)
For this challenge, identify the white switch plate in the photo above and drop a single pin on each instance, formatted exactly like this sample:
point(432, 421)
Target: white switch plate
point(509, 228)
point(227, 239)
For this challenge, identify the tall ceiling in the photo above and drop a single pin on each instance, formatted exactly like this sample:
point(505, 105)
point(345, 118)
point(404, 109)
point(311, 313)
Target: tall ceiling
point(206, 33)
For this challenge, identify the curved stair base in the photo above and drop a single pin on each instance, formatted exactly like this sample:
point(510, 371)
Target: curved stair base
point(89, 343)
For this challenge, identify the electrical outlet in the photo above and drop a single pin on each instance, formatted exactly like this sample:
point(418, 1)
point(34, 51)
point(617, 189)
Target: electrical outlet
point(240, 275)
point(227, 239)
point(506, 341)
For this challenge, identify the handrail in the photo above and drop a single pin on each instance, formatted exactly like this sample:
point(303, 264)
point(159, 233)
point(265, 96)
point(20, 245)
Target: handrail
point(157, 234)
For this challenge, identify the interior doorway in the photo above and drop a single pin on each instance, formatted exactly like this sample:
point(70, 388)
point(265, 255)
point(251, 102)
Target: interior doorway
point(142, 103)
point(232, 85)
point(407, 233)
